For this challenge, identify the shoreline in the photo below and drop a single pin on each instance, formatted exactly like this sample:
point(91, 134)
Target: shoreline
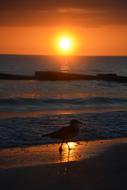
point(104, 167)
point(29, 156)
point(13, 114)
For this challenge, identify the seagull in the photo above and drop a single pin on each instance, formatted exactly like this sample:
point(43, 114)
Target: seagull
point(66, 133)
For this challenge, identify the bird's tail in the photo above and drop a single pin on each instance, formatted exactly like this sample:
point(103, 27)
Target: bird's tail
point(53, 135)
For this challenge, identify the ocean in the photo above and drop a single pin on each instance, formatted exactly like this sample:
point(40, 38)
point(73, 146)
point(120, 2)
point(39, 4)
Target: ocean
point(29, 109)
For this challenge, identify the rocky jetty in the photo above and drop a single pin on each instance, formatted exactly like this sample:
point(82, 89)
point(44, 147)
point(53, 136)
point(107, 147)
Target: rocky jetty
point(61, 76)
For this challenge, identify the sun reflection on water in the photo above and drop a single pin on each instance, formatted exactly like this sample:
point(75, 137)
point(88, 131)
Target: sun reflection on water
point(64, 65)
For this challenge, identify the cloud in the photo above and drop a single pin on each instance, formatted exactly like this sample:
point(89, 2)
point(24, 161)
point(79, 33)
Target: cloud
point(54, 4)
point(55, 12)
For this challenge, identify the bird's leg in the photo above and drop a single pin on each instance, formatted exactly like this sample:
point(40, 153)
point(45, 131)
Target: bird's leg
point(68, 146)
point(60, 148)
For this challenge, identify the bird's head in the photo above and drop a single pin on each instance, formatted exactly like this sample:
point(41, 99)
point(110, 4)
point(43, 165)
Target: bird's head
point(76, 122)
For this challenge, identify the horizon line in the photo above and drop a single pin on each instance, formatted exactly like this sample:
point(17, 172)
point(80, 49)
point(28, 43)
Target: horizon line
point(53, 55)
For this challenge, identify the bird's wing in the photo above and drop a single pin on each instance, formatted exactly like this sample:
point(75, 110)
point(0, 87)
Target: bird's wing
point(61, 133)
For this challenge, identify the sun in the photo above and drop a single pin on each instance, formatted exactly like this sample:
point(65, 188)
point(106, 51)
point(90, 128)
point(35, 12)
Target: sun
point(65, 44)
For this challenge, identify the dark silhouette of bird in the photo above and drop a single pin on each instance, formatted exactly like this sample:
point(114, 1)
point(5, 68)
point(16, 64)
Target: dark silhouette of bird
point(66, 133)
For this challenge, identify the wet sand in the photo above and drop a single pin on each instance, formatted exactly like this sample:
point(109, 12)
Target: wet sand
point(93, 165)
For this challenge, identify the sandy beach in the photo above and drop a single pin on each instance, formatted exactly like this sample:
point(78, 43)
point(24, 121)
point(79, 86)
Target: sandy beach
point(63, 95)
point(93, 165)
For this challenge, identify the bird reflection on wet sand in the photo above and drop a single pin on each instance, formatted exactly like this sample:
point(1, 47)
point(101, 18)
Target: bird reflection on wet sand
point(48, 154)
point(65, 154)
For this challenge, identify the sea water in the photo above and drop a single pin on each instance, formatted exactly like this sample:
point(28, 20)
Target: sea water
point(29, 109)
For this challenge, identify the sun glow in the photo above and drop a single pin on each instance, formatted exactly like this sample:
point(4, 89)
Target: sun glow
point(65, 43)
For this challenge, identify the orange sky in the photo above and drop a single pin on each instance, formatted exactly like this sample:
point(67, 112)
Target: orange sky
point(41, 40)
point(29, 27)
